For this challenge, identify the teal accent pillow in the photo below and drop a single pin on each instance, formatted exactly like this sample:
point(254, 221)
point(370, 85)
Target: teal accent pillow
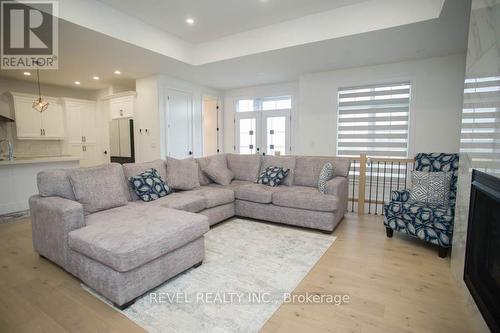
point(149, 186)
point(272, 176)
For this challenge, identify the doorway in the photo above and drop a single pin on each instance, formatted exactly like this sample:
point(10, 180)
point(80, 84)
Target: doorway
point(263, 132)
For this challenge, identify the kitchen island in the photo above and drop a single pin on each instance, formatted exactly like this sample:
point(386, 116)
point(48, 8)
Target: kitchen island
point(18, 178)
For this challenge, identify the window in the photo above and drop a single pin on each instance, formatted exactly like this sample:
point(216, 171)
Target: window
point(374, 120)
point(264, 104)
point(480, 137)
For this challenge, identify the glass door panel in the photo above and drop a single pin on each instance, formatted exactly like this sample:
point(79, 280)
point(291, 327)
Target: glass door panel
point(247, 136)
point(276, 135)
point(263, 132)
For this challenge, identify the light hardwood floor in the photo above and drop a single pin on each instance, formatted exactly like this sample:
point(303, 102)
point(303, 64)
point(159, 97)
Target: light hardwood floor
point(395, 285)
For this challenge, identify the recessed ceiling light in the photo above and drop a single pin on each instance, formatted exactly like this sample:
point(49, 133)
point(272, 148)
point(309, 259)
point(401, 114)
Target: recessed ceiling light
point(27, 73)
point(190, 20)
point(77, 83)
point(95, 77)
point(117, 72)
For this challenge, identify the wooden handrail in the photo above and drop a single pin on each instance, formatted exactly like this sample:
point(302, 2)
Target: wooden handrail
point(395, 160)
point(362, 184)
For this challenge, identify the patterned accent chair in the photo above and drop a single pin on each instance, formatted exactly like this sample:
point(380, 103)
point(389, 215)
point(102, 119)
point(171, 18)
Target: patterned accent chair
point(431, 223)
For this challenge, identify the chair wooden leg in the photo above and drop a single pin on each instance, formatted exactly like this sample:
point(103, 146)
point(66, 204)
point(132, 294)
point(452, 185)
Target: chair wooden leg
point(443, 252)
point(389, 232)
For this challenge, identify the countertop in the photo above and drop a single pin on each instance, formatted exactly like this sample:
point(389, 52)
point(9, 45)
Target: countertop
point(38, 159)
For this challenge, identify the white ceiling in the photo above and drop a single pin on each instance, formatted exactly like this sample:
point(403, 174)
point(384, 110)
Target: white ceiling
point(84, 53)
point(219, 18)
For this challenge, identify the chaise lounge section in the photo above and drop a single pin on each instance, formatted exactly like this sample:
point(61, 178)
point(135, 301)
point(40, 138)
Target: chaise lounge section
point(89, 222)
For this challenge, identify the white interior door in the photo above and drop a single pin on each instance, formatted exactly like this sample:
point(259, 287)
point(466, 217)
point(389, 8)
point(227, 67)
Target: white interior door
point(210, 126)
point(179, 124)
point(263, 132)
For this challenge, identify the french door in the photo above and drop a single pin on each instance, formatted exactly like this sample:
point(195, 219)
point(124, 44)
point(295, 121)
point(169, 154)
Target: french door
point(263, 132)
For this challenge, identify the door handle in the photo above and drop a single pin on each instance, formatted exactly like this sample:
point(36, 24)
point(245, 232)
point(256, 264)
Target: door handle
point(41, 132)
point(190, 153)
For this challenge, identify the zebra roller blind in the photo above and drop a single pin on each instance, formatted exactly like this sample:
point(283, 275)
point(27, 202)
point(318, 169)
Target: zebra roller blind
point(480, 136)
point(374, 119)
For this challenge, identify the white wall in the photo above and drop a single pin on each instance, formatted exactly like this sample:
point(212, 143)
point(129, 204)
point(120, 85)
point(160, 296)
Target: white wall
point(437, 94)
point(150, 114)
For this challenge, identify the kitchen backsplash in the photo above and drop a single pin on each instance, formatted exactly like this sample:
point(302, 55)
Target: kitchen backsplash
point(28, 147)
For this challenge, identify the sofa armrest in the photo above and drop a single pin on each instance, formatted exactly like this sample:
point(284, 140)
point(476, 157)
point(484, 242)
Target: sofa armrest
point(339, 187)
point(400, 195)
point(52, 218)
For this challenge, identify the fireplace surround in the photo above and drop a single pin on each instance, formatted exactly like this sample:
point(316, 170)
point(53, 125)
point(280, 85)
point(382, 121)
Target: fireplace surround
point(482, 256)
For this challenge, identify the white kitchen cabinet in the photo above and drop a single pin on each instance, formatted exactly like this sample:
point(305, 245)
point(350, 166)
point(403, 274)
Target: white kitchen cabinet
point(122, 107)
point(81, 121)
point(87, 153)
point(53, 122)
point(82, 128)
point(34, 125)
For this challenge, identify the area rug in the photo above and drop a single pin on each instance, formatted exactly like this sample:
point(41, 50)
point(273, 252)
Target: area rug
point(249, 269)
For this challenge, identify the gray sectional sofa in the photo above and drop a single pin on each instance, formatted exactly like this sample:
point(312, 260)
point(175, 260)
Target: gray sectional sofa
point(89, 222)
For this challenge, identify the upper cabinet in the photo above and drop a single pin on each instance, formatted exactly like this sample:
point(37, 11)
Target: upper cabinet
point(34, 125)
point(80, 120)
point(121, 105)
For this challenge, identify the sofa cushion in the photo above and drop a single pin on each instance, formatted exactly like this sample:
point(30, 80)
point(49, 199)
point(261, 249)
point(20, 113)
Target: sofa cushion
point(254, 192)
point(129, 237)
point(305, 198)
point(286, 162)
point(99, 188)
point(272, 176)
point(183, 200)
point(55, 182)
point(218, 172)
point(149, 186)
point(203, 162)
point(182, 174)
point(307, 169)
point(244, 167)
point(133, 169)
point(214, 196)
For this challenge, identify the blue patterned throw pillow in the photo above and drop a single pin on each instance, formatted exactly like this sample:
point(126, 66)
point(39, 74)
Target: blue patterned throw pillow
point(149, 186)
point(272, 176)
point(327, 172)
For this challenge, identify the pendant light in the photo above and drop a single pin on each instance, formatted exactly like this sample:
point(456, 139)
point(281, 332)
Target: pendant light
point(39, 104)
